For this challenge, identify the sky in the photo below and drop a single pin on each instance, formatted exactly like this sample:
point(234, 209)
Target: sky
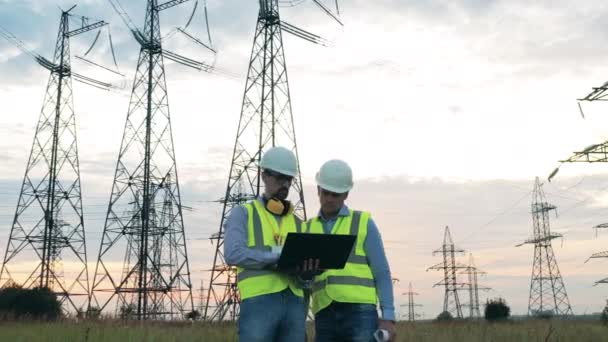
point(445, 110)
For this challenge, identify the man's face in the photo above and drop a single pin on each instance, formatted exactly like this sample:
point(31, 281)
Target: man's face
point(331, 202)
point(277, 184)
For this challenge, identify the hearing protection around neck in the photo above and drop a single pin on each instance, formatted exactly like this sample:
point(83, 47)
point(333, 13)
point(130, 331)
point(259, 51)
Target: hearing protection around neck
point(279, 207)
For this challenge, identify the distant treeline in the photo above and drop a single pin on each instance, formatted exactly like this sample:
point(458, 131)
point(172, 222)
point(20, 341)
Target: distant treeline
point(37, 303)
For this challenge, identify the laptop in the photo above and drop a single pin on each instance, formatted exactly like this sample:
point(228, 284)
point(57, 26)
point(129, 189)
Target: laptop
point(331, 250)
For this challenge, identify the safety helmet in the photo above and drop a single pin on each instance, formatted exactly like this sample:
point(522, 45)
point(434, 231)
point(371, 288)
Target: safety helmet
point(335, 176)
point(281, 160)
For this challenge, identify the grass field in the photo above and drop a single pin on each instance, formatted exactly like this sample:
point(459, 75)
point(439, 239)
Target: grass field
point(578, 331)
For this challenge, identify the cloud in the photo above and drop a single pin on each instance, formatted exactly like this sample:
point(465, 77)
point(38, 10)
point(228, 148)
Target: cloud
point(487, 219)
point(445, 110)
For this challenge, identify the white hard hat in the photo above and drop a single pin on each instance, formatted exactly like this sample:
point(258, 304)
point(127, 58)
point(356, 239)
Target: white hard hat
point(335, 176)
point(281, 160)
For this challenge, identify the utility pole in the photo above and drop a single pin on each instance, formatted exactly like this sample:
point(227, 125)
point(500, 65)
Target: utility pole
point(451, 302)
point(411, 305)
point(155, 283)
point(547, 289)
point(266, 121)
point(473, 287)
point(596, 153)
point(48, 226)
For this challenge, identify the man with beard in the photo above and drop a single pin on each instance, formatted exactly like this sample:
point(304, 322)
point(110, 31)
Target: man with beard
point(344, 301)
point(272, 304)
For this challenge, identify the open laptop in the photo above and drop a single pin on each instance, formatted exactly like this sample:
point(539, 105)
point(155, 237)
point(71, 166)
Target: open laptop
point(331, 250)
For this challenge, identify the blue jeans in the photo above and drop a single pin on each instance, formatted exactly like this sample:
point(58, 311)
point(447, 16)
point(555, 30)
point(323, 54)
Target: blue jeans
point(274, 317)
point(346, 322)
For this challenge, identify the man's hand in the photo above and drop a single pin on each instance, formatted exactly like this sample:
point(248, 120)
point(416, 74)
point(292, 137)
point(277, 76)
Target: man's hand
point(390, 327)
point(309, 269)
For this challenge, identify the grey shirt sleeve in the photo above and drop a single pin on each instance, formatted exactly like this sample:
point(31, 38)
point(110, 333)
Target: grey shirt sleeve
point(236, 251)
point(374, 249)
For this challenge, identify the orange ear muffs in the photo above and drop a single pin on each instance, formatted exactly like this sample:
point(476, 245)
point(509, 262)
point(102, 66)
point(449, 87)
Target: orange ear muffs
point(279, 207)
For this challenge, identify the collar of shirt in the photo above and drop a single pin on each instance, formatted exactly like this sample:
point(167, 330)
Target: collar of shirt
point(343, 212)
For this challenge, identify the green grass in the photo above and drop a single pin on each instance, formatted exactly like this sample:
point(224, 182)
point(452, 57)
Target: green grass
point(115, 331)
point(555, 330)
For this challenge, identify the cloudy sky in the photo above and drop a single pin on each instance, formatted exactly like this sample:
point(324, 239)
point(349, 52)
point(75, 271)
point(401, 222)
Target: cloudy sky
point(446, 110)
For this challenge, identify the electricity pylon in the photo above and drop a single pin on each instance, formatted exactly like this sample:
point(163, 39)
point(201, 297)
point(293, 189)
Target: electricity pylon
point(598, 256)
point(451, 302)
point(266, 121)
point(48, 227)
point(547, 290)
point(144, 220)
point(596, 153)
point(411, 305)
point(473, 287)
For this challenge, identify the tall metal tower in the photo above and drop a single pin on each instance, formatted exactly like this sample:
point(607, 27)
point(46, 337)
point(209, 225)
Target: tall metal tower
point(547, 290)
point(596, 153)
point(48, 226)
point(598, 255)
point(201, 297)
point(411, 305)
point(451, 302)
point(266, 121)
point(473, 287)
point(144, 220)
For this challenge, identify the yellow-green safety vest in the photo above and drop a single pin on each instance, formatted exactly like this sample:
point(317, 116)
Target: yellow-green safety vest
point(355, 282)
point(260, 236)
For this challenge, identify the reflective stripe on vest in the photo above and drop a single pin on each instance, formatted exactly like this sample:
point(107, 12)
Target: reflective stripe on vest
point(354, 283)
point(252, 282)
point(343, 280)
point(246, 274)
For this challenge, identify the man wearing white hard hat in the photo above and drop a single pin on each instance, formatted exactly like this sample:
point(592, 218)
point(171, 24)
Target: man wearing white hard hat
point(344, 301)
point(272, 304)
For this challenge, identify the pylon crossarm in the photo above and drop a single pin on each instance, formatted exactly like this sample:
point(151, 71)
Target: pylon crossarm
point(60, 68)
point(87, 28)
point(597, 94)
point(597, 153)
point(170, 4)
point(541, 239)
point(598, 255)
point(438, 266)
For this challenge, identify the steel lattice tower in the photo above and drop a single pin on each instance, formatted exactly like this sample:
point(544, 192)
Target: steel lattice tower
point(547, 290)
point(599, 255)
point(473, 287)
point(144, 220)
point(48, 226)
point(596, 153)
point(603, 254)
point(451, 302)
point(411, 305)
point(266, 120)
